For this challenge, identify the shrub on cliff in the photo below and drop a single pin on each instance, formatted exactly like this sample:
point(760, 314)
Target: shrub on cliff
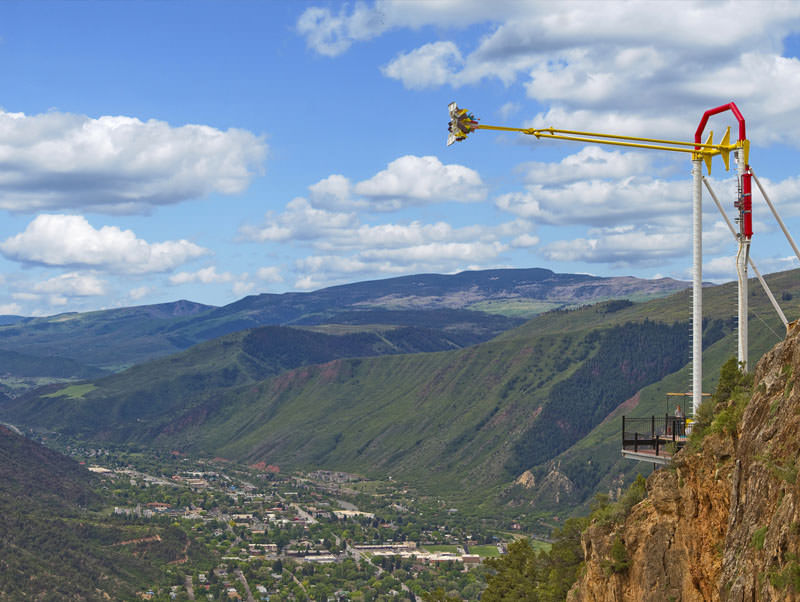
point(723, 412)
point(607, 513)
point(618, 561)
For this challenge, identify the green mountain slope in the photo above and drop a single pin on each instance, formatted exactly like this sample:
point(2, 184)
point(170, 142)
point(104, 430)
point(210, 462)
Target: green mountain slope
point(538, 397)
point(170, 385)
point(108, 338)
point(20, 364)
point(465, 416)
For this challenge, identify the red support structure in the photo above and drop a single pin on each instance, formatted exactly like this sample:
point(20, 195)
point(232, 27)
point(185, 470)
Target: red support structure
point(745, 206)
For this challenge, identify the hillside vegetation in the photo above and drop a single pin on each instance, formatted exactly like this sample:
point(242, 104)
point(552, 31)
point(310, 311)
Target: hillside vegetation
point(467, 422)
point(56, 545)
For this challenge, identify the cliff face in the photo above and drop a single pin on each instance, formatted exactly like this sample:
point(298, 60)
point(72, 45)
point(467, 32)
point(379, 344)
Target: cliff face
point(722, 523)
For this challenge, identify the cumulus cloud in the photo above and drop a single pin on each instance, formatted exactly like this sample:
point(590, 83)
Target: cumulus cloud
point(342, 245)
point(430, 257)
point(139, 292)
point(640, 244)
point(69, 240)
point(10, 309)
point(610, 66)
point(333, 192)
point(243, 287)
point(118, 164)
point(72, 284)
point(207, 275)
point(599, 202)
point(270, 274)
point(428, 65)
point(591, 162)
point(330, 33)
point(525, 241)
point(300, 221)
point(406, 181)
point(415, 180)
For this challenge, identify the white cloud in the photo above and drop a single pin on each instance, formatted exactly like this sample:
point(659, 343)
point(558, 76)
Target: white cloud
point(332, 264)
point(777, 264)
point(243, 287)
point(640, 244)
point(427, 66)
point(300, 221)
point(637, 68)
point(72, 284)
point(330, 231)
point(69, 240)
point(441, 257)
point(784, 194)
point(413, 180)
point(118, 164)
point(9, 309)
point(331, 34)
point(270, 274)
point(139, 292)
point(591, 162)
point(599, 202)
point(439, 252)
point(307, 283)
point(525, 241)
point(720, 269)
point(406, 181)
point(207, 275)
point(334, 192)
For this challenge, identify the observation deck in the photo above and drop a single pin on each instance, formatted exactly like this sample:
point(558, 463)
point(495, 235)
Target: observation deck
point(655, 439)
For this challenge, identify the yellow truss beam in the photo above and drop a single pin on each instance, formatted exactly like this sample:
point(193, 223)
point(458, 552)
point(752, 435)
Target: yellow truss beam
point(703, 151)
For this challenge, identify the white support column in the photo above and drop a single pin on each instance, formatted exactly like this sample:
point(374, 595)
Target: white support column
point(741, 271)
point(697, 285)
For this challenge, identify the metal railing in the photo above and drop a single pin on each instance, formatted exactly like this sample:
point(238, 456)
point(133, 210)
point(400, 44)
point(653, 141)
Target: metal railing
point(660, 435)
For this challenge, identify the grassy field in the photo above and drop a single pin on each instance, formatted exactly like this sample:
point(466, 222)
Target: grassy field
point(73, 391)
point(516, 308)
point(441, 548)
point(485, 551)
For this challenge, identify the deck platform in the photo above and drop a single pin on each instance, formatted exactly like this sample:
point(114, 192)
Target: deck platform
point(653, 439)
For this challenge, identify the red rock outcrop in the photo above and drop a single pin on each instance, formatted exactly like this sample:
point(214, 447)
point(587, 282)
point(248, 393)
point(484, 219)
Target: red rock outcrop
point(722, 523)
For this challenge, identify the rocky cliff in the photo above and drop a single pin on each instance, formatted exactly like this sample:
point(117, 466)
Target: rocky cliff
point(723, 522)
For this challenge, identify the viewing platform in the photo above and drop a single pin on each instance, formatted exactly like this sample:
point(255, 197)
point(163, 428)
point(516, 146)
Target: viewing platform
point(655, 439)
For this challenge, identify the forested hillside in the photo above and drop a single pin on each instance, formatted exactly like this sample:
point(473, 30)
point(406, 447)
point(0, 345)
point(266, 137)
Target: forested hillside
point(55, 546)
point(467, 420)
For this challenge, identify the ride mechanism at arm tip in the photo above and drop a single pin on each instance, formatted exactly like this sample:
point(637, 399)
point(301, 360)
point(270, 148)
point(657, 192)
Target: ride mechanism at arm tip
point(462, 123)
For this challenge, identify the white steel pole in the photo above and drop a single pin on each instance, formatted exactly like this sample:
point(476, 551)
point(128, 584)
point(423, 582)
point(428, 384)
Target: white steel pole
point(741, 272)
point(697, 285)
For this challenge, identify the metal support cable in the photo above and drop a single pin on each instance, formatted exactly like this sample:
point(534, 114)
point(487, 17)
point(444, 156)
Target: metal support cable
point(763, 282)
point(775, 213)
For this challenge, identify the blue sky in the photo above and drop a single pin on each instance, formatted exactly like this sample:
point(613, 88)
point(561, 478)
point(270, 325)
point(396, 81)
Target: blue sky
point(155, 151)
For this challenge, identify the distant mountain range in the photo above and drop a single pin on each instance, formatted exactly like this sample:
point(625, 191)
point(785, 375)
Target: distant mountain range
point(464, 308)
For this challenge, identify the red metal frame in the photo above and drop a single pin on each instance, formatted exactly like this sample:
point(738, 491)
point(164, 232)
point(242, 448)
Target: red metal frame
point(745, 207)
